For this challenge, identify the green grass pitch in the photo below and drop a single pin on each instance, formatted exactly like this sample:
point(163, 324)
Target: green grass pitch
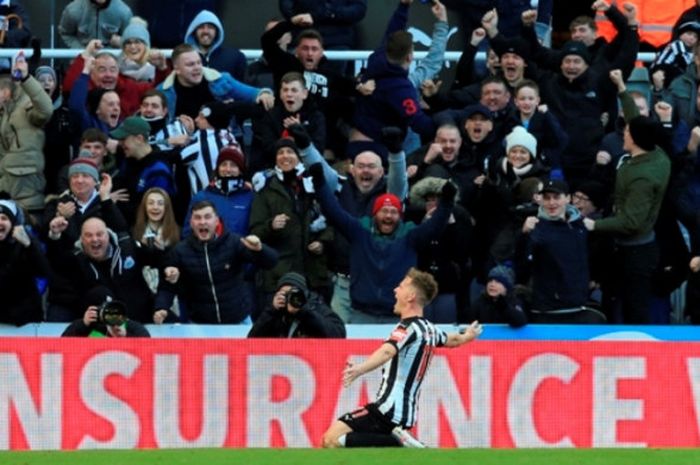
point(358, 457)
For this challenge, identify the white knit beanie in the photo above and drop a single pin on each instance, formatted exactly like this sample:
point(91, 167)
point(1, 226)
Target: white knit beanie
point(520, 136)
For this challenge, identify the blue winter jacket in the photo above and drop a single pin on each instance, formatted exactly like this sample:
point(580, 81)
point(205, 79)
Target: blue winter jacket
point(222, 86)
point(77, 103)
point(211, 284)
point(395, 100)
point(378, 263)
point(558, 251)
point(233, 209)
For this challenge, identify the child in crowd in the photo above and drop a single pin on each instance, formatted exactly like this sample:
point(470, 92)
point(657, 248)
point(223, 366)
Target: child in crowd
point(551, 138)
point(498, 303)
point(678, 54)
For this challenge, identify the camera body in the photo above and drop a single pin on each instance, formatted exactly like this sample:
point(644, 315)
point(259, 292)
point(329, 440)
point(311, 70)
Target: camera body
point(295, 297)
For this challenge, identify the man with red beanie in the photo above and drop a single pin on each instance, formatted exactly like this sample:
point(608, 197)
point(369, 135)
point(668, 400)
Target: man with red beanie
point(382, 247)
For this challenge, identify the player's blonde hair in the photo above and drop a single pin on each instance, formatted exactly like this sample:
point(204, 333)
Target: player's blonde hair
point(425, 285)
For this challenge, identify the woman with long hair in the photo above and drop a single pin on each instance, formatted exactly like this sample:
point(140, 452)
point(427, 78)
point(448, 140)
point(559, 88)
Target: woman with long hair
point(155, 228)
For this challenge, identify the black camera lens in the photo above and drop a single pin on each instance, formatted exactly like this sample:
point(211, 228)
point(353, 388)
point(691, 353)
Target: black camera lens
point(296, 297)
point(114, 320)
point(113, 313)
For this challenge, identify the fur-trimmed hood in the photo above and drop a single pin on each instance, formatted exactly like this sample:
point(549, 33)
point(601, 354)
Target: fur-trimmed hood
point(209, 74)
point(426, 186)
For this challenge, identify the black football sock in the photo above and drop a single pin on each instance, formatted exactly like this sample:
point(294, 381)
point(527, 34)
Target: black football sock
point(354, 439)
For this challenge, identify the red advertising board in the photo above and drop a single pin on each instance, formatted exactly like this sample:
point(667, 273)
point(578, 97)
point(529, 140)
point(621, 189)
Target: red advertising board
point(151, 393)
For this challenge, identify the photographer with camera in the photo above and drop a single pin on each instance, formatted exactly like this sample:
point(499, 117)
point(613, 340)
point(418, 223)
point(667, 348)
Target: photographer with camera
point(104, 317)
point(296, 312)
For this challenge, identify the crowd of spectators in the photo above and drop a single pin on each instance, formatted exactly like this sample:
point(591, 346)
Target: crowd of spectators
point(552, 185)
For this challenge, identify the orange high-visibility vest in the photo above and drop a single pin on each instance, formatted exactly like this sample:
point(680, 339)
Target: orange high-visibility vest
point(656, 19)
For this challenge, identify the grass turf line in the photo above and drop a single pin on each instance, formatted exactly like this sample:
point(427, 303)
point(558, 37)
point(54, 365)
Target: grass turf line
point(357, 457)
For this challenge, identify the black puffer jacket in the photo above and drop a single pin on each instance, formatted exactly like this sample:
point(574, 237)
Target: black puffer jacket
point(121, 273)
point(19, 266)
point(211, 284)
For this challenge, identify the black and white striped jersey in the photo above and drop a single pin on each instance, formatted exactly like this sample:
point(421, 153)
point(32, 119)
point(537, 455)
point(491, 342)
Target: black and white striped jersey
point(201, 155)
point(415, 339)
point(160, 138)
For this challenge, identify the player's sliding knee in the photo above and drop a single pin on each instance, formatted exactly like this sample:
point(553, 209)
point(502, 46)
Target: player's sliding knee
point(329, 441)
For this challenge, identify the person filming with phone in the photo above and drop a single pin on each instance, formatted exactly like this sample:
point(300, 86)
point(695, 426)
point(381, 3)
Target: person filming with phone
point(296, 312)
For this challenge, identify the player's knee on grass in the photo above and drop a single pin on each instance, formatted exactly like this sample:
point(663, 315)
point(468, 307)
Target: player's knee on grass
point(330, 440)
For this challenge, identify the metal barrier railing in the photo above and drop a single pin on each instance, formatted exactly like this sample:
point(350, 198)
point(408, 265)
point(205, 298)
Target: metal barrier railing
point(252, 54)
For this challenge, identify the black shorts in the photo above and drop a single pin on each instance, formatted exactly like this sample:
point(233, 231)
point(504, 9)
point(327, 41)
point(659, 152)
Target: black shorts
point(368, 419)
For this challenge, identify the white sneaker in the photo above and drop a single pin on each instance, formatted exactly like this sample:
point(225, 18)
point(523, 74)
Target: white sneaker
point(406, 439)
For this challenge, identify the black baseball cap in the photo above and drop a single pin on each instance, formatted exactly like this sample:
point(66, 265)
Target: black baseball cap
point(556, 186)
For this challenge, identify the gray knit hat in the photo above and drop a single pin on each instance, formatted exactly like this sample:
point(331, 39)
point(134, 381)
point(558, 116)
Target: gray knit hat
point(84, 165)
point(295, 280)
point(503, 275)
point(137, 30)
point(45, 70)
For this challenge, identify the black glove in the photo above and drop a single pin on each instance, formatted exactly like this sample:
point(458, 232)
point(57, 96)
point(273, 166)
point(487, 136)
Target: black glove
point(393, 138)
point(35, 60)
point(511, 177)
point(449, 192)
point(300, 135)
point(317, 176)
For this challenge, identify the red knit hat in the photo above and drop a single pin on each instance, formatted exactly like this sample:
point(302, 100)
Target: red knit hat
point(231, 153)
point(387, 200)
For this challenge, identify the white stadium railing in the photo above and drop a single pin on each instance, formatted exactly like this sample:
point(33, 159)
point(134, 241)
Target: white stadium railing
point(252, 54)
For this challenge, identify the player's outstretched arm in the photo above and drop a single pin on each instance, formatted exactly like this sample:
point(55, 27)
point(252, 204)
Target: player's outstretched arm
point(380, 356)
point(472, 331)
